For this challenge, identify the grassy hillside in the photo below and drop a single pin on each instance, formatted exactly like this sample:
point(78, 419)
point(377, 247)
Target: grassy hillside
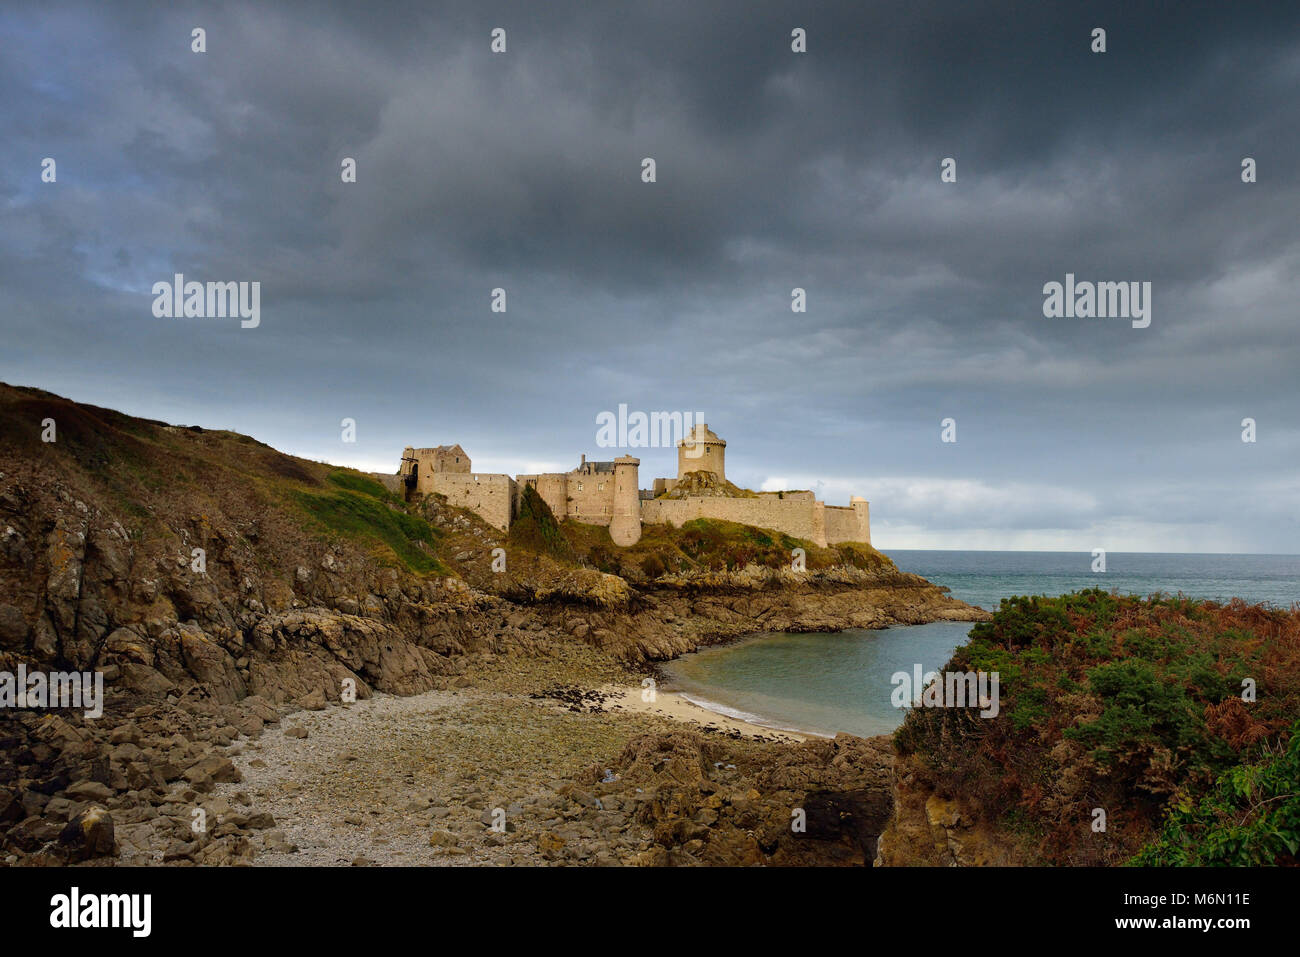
point(708, 544)
point(160, 478)
point(1134, 706)
point(359, 508)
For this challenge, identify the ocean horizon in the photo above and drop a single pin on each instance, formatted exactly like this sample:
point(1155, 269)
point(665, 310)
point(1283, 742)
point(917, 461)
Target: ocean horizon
point(984, 578)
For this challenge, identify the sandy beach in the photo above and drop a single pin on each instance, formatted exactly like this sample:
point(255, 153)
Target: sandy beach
point(674, 706)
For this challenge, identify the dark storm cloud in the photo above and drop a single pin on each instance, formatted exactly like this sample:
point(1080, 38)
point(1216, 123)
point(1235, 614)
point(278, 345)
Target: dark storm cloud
point(775, 170)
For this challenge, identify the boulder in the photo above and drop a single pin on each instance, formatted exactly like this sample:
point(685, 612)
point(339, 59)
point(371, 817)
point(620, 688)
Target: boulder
point(13, 628)
point(90, 791)
point(89, 834)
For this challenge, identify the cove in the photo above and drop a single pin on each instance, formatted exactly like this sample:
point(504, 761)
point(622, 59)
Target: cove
point(815, 682)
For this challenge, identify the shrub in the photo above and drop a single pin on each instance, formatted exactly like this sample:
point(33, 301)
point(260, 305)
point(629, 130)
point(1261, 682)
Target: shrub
point(1250, 818)
point(1113, 701)
point(536, 528)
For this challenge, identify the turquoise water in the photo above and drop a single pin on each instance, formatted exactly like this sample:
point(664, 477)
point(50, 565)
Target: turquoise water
point(825, 683)
point(815, 682)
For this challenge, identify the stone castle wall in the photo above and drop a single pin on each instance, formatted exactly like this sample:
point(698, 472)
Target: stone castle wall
point(447, 460)
point(798, 496)
point(492, 496)
point(591, 498)
point(841, 524)
point(702, 457)
point(849, 524)
point(798, 514)
point(552, 487)
point(625, 529)
point(792, 517)
point(429, 462)
point(701, 450)
point(391, 482)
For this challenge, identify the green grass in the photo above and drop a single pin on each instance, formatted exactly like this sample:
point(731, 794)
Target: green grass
point(356, 482)
point(362, 509)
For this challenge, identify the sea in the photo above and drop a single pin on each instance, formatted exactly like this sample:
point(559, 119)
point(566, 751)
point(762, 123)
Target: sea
point(822, 684)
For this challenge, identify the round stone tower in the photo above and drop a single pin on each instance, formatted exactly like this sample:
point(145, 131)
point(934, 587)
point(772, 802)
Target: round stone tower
point(701, 451)
point(625, 525)
point(862, 510)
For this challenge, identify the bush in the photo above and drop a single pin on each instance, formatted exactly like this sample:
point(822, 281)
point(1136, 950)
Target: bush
point(652, 566)
point(536, 528)
point(1112, 701)
point(1250, 818)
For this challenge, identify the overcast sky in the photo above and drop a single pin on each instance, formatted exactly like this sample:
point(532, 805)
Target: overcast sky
point(775, 170)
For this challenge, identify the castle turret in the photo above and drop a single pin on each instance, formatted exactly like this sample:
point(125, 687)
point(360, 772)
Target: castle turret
point(625, 525)
point(701, 451)
point(863, 510)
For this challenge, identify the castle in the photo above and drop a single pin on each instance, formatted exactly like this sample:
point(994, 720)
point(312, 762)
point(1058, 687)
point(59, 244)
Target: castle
point(608, 493)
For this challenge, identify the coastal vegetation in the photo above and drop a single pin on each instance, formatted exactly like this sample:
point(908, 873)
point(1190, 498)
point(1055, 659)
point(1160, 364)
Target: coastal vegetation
point(158, 476)
point(536, 528)
point(1250, 817)
point(1160, 718)
point(702, 544)
point(360, 508)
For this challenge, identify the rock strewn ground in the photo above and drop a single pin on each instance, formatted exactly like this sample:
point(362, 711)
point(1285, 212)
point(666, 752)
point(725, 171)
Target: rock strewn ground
point(422, 780)
point(416, 780)
point(125, 788)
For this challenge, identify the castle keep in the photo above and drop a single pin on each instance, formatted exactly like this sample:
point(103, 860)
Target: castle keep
point(608, 493)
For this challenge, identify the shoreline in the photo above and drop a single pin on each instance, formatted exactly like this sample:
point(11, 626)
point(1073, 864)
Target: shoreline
point(679, 705)
point(676, 706)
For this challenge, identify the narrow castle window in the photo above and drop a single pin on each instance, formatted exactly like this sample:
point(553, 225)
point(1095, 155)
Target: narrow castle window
point(579, 486)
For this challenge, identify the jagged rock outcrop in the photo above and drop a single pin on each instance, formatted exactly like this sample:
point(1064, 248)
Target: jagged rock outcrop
point(927, 830)
point(720, 802)
point(706, 484)
point(677, 617)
